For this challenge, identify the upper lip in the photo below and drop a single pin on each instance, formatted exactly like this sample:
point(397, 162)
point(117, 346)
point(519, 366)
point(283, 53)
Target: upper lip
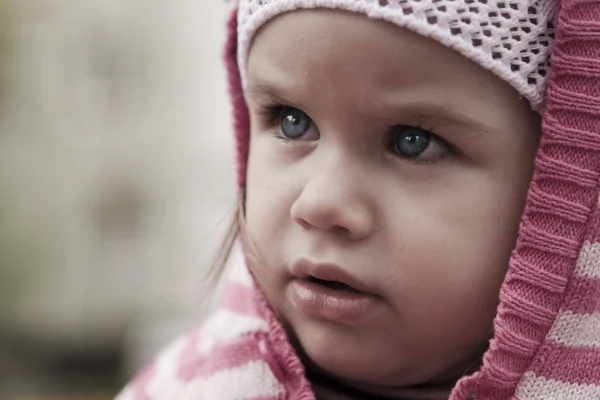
point(305, 268)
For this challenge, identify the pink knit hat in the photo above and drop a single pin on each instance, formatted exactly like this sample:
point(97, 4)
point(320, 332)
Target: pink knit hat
point(511, 38)
point(546, 343)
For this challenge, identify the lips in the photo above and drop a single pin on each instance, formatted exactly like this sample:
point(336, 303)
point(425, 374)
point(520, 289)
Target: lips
point(332, 284)
point(327, 292)
point(327, 274)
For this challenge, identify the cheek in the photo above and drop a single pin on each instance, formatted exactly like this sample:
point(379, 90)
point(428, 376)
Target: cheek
point(275, 179)
point(269, 197)
point(263, 186)
point(454, 255)
point(262, 207)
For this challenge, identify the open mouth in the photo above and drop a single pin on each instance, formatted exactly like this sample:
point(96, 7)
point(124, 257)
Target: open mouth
point(332, 284)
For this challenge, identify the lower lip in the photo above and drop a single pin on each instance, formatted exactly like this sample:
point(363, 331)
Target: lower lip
point(319, 301)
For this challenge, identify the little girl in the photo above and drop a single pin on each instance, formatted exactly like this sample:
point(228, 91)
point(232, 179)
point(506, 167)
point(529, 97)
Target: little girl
point(406, 233)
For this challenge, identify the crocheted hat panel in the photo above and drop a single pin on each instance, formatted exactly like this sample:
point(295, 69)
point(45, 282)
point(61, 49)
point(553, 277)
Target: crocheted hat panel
point(512, 38)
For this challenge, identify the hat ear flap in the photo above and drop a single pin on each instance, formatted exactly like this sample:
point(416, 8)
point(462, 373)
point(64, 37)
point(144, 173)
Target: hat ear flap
point(241, 117)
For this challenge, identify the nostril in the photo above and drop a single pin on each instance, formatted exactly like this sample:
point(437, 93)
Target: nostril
point(340, 230)
point(303, 222)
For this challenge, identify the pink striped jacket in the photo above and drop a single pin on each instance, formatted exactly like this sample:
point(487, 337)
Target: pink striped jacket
point(241, 351)
point(546, 343)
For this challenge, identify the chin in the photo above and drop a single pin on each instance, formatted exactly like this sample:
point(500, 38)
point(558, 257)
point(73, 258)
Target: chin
point(351, 355)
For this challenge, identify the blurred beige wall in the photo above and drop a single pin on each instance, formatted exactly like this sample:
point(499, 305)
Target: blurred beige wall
point(116, 167)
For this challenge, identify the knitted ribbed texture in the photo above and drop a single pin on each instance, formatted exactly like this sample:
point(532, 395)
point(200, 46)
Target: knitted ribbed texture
point(240, 352)
point(241, 117)
point(546, 282)
point(511, 38)
point(551, 295)
point(547, 331)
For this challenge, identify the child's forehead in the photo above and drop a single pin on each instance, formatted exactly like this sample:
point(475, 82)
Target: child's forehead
point(346, 41)
point(376, 65)
point(511, 39)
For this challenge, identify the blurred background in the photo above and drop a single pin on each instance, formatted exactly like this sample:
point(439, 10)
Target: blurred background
point(116, 185)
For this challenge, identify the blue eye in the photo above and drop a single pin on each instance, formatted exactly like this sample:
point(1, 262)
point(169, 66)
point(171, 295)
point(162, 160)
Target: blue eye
point(410, 142)
point(294, 123)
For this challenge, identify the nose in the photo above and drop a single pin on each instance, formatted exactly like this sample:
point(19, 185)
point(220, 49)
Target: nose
point(336, 202)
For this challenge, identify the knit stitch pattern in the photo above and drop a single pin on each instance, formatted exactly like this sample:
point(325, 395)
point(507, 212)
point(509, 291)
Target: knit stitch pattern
point(241, 352)
point(547, 330)
point(546, 343)
point(511, 38)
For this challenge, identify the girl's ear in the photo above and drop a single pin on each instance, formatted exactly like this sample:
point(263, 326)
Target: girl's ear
point(241, 117)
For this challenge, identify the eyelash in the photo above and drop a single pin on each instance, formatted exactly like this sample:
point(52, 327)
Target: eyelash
point(271, 113)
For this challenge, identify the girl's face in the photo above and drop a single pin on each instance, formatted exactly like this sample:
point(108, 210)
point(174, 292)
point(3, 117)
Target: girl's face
point(385, 162)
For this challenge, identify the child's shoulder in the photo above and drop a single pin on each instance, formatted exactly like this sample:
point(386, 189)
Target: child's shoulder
point(222, 358)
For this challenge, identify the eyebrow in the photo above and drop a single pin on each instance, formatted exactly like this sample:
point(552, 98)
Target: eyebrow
point(444, 115)
point(439, 113)
point(277, 92)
